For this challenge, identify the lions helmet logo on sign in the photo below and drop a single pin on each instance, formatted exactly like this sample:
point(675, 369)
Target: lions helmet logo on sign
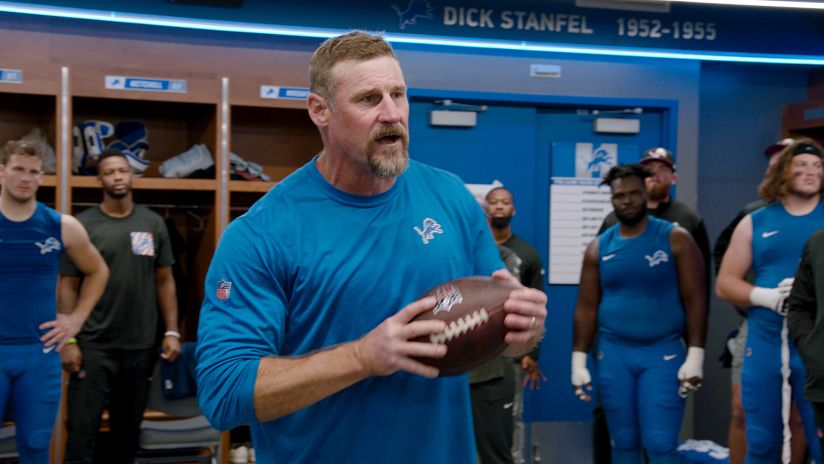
point(415, 10)
point(594, 161)
point(224, 289)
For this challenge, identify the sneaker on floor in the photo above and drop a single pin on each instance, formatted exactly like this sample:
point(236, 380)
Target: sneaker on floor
point(197, 157)
point(239, 454)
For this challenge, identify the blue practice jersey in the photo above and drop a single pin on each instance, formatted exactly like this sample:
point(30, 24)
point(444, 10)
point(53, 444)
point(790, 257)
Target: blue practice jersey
point(777, 242)
point(309, 267)
point(640, 293)
point(29, 263)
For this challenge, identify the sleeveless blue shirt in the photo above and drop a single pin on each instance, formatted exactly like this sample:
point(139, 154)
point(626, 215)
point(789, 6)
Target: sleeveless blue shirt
point(640, 293)
point(29, 263)
point(778, 239)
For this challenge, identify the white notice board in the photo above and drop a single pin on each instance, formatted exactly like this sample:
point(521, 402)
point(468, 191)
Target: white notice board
point(577, 208)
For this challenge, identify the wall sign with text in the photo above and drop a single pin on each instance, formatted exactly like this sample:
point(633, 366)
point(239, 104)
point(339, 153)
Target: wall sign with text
point(681, 26)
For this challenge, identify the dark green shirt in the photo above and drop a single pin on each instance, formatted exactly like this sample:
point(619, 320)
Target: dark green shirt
point(805, 315)
point(127, 316)
point(531, 269)
point(500, 366)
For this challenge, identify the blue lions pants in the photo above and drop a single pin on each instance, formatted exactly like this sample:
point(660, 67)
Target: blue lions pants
point(30, 382)
point(761, 394)
point(639, 384)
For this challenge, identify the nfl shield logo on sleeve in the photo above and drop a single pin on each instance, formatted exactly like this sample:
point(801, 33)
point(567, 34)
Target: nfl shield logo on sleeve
point(224, 288)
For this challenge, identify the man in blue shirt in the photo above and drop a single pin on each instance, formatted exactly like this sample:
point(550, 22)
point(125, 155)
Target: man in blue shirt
point(32, 239)
point(642, 291)
point(306, 329)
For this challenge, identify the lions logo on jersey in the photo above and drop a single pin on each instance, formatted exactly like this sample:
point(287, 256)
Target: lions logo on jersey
point(48, 245)
point(657, 258)
point(430, 228)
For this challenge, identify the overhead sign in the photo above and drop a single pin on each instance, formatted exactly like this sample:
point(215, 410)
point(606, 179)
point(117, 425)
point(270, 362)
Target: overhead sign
point(146, 84)
point(675, 26)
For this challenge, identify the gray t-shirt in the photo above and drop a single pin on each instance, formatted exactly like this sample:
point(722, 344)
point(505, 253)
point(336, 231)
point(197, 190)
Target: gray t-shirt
point(127, 316)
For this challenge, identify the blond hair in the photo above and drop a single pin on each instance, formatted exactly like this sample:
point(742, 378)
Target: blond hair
point(353, 46)
point(20, 147)
point(777, 182)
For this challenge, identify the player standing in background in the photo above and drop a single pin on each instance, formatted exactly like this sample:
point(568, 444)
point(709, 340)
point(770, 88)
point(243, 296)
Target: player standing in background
point(501, 209)
point(769, 241)
point(737, 439)
point(116, 351)
point(32, 239)
point(642, 292)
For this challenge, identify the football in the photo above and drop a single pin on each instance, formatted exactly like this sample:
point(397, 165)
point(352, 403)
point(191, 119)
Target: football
point(472, 308)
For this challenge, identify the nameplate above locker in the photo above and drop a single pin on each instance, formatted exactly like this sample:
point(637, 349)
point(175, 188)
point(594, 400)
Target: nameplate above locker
point(146, 84)
point(11, 76)
point(285, 93)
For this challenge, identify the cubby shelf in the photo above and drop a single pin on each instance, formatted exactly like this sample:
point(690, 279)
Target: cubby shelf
point(275, 134)
point(151, 183)
point(250, 186)
point(49, 180)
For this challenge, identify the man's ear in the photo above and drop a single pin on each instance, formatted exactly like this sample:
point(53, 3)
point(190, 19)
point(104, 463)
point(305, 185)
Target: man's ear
point(318, 109)
point(674, 178)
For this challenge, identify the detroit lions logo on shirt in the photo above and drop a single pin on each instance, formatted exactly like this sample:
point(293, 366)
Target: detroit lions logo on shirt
point(48, 245)
point(657, 258)
point(430, 228)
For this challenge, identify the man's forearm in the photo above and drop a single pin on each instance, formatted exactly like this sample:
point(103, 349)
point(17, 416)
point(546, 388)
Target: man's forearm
point(584, 327)
point(696, 327)
point(91, 289)
point(285, 385)
point(734, 290)
point(167, 303)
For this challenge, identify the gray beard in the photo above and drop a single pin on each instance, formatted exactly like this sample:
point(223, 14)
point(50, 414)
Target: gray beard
point(392, 165)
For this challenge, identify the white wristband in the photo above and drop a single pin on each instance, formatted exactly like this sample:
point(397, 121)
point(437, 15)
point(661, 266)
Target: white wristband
point(580, 374)
point(172, 333)
point(693, 365)
point(579, 360)
point(765, 297)
point(695, 354)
